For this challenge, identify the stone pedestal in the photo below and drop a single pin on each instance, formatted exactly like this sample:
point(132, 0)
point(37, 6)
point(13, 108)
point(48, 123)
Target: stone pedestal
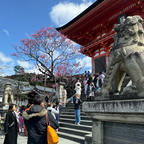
point(97, 132)
point(116, 121)
point(3, 111)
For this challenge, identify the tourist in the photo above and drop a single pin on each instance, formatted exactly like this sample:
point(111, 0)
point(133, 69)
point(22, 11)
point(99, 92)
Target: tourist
point(51, 109)
point(78, 88)
point(11, 126)
point(35, 120)
point(92, 90)
point(60, 107)
point(77, 103)
point(98, 83)
point(88, 74)
point(95, 79)
point(17, 113)
point(44, 104)
point(88, 86)
point(78, 82)
point(64, 97)
point(85, 86)
point(102, 76)
point(20, 123)
point(85, 74)
point(27, 108)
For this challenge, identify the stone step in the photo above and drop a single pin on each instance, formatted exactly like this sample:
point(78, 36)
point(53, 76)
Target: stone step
point(83, 122)
point(69, 130)
point(72, 137)
point(88, 138)
point(73, 126)
point(72, 113)
point(73, 117)
point(72, 106)
point(70, 110)
point(77, 132)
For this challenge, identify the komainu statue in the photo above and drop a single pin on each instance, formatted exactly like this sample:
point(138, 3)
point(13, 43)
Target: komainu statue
point(126, 57)
point(8, 94)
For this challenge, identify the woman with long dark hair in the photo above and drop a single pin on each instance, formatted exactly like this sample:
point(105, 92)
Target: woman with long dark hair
point(11, 126)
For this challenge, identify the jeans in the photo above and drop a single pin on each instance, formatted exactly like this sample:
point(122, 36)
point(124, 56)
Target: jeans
point(58, 115)
point(72, 100)
point(77, 115)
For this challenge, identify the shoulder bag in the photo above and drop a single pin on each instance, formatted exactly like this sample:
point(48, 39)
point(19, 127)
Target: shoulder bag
point(52, 136)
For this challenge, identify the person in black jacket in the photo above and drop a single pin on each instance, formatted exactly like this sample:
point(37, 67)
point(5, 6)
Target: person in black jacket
point(11, 126)
point(77, 103)
point(35, 121)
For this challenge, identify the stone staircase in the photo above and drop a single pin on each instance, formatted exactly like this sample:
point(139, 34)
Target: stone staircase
point(73, 132)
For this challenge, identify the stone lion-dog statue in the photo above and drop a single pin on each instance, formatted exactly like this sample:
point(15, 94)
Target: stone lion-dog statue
point(8, 94)
point(126, 57)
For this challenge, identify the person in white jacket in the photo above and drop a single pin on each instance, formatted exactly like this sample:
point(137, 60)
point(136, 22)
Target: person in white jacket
point(78, 88)
point(53, 110)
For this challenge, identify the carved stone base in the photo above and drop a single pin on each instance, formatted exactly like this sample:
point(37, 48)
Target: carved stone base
point(120, 97)
point(116, 121)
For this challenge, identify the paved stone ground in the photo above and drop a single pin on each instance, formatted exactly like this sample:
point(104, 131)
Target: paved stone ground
point(23, 140)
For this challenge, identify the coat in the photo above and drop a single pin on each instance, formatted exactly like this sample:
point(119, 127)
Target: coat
point(35, 121)
point(53, 111)
point(77, 103)
point(78, 90)
point(91, 90)
point(11, 128)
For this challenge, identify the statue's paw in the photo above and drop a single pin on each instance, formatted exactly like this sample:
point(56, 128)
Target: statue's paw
point(141, 94)
point(98, 93)
point(105, 92)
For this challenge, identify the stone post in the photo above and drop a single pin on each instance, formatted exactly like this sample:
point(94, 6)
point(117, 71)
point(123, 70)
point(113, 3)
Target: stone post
point(59, 91)
point(97, 132)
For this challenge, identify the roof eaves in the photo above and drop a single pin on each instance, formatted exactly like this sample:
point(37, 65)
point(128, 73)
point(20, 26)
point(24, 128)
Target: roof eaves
point(80, 15)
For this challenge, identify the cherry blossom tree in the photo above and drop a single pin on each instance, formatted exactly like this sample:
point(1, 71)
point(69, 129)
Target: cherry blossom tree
point(67, 70)
point(50, 50)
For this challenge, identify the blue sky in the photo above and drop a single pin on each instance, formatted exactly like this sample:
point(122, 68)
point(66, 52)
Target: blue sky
point(20, 18)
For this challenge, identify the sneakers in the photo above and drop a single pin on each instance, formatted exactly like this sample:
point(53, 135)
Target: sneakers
point(77, 123)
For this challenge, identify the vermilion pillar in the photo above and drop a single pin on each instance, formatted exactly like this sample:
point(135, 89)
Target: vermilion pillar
point(107, 60)
point(93, 65)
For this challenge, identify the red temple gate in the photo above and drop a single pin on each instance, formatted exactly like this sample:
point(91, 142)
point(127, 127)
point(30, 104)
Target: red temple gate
point(93, 28)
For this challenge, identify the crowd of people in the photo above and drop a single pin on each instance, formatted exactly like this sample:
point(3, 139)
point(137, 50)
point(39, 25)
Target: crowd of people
point(92, 83)
point(32, 119)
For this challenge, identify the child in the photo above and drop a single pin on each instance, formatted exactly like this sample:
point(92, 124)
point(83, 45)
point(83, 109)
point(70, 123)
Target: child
point(20, 123)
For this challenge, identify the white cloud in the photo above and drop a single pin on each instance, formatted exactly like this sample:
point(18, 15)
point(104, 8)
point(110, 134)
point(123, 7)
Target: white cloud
point(66, 11)
point(29, 68)
point(85, 62)
point(24, 64)
point(6, 32)
point(5, 59)
point(33, 70)
point(6, 65)
point(6, 70)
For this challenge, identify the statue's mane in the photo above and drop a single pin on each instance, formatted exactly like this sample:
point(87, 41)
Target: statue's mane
point(130, 32)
